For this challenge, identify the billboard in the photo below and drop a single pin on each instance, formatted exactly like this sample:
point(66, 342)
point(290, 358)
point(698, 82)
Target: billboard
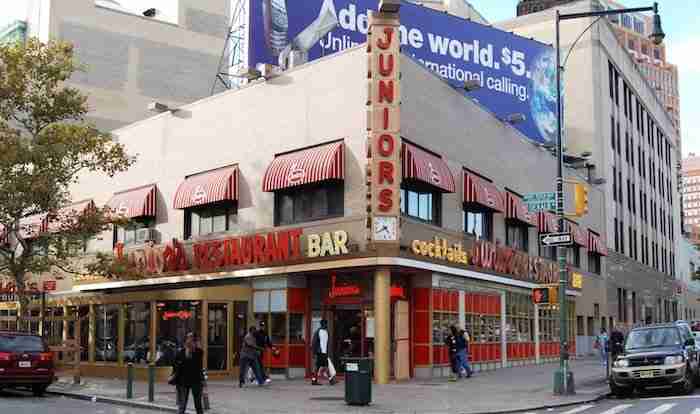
point(516, 75)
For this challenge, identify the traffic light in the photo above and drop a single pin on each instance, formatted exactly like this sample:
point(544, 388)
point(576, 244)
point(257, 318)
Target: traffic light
point(545, 295)
point(580, 199)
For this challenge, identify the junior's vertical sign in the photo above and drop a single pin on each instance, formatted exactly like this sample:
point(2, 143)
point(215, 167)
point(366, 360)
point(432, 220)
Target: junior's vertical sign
point(383, 125)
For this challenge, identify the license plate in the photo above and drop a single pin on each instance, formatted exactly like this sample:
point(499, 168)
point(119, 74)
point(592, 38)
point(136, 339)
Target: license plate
point(646, 374)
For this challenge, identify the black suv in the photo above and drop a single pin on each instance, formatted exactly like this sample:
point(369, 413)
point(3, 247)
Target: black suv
point(656, 356)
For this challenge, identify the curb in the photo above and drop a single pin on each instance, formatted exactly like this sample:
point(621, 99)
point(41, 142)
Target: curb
point(114, 401)
point(163, 408)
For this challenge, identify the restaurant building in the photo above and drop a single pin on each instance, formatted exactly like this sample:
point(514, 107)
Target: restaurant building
point(385, 201)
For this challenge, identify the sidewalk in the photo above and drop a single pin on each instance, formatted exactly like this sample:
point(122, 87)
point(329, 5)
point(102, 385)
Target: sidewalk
point(504, 390)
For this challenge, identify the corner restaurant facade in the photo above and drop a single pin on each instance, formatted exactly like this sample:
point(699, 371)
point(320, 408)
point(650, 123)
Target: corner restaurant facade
point(315, 196)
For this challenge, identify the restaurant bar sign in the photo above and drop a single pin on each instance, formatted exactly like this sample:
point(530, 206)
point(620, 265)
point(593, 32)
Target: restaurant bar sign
point(251, 250)
point(487, 255)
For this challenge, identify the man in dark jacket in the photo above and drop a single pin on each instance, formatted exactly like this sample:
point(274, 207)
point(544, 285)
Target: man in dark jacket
point(451, 343)
point(189, 376)
point(617, 341)
point(249, 358)
point(262, 340)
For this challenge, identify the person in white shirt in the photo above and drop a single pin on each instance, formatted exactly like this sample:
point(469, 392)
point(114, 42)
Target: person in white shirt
point(319, 346)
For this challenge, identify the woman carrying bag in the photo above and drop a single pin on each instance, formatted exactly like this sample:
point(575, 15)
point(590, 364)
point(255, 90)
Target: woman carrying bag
point(188, 375)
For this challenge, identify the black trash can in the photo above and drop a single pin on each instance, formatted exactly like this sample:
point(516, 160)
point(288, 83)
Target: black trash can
point(358, 380)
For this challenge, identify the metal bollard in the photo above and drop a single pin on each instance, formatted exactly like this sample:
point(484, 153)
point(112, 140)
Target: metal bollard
point(151, 382)
point(130, 381)
point(205, 391)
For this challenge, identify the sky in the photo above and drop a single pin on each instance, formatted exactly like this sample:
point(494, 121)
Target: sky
point(679, 19)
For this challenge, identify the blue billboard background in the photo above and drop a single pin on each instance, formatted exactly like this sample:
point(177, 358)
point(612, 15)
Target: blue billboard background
point(517, 75)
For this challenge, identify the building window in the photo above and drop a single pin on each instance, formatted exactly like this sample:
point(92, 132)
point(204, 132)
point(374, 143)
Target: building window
point(594, 263)
point(309, 203)
point(217, 334)
point(517, 236)
point(519, 318)
point(573, 256)
point(478, 223)
point(137, 332)
point(421, 204)
point(175, 320)
point(209, 219)
point(129, 234)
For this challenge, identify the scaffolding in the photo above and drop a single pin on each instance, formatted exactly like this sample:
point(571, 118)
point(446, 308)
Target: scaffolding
point(234, 56)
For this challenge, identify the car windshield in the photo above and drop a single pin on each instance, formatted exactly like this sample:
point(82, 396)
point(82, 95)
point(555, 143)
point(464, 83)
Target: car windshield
point(21, 343)
point(653, 338)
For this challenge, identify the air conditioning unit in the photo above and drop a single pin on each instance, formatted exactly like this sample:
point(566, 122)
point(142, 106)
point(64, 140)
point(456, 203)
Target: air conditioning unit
point(146, 235)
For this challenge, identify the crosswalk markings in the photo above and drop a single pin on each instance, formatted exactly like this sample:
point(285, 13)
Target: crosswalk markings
point(617, 409)
point(661, 409)
point(578, 409)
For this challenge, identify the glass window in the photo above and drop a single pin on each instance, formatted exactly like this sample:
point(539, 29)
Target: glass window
point(517, 236)
point(211, 218)
point(137, 328)
point(297, 328)
point(128, 234)
point(261, 301)
point(309, 203)
point(278, 301)
point(106, 332)
point(175, 320)
point(594, 263)
point(218, 332)
point(421, 204)
point(478, 224)
point(84, 320)
point(278, 328)
point(573, 256)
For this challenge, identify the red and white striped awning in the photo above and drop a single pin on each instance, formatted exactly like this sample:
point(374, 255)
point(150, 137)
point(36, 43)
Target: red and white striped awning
point(31, 227)
point(547, 222)
point(208, 187)
point(596, 244)
point(423, 166)
point(66, 216)
point(517, 210)
point(577, 232)
point(481, 193)
point(137, 202)
point(311, 165)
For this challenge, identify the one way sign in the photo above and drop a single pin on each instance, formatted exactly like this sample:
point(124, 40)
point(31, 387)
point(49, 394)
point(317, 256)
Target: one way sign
point(556, 239)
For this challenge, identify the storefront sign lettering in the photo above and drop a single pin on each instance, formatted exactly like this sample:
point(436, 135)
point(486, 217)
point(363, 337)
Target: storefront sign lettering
point(576, 280)
point(342, 290)
point(487, 255)
point(327, 244)
point(182, 315)
point(9, 287)
point(154, 260)
point(248, 250)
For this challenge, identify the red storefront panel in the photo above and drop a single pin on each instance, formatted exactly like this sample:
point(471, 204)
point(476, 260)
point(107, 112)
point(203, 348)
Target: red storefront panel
point(421, 355)
point(422, 329)
point(297, 355)
point(469, 302)
point(279, 361)
point(445, 299)
point(296, 299)
point(454, 301)
point(437, 299)
point(440, 355)
point(421, 299)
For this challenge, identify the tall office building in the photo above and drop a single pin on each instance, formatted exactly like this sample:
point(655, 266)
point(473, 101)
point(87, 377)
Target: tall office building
point(135, 52)
point(691, 197)
point(632, 32)
point(618, 118)
point(460, 8)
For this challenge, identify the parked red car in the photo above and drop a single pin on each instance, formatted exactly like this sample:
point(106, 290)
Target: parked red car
point(25, 361)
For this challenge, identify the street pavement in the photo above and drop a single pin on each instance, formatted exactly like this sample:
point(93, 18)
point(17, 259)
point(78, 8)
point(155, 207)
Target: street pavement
point(12, 402)
point(662, 405)
point(526, 387)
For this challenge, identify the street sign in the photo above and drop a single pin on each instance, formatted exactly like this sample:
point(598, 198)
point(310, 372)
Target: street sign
point(537, 202)
point(556, 239)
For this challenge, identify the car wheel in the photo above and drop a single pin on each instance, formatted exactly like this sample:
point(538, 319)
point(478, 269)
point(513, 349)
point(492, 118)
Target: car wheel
point(39, 390)
point(688, 384)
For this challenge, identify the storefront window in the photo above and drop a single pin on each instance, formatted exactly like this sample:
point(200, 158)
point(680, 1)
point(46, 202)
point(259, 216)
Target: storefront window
point(137, 328)
point(8, 320)
point(441, 325)
point(423, 204)
point(53, 323)
point(517, 236)
point(211, 218)
point(278, 328)
point(308, 203)
point(271, 307)
point(297, 331)
point(175, 320)
point(84, 321)
point(106, 332)
point(127, 234)
point(217, 342)
point(519, 317)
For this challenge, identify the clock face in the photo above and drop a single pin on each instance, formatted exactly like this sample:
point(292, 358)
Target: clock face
point(385, 229)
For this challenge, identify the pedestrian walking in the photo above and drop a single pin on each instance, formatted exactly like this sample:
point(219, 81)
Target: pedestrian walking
point(249, 359)
point(462, 340)
point(262, 339)
point(451, 343)
point(187, 368)
point(320, 349)
point(602, 343)
point(617, 341)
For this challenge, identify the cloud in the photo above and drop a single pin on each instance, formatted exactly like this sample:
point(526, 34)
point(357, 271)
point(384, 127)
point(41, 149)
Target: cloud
point(684, 54)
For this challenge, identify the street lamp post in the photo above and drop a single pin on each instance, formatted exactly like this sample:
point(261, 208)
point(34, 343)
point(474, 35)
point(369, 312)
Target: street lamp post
point(563, 378)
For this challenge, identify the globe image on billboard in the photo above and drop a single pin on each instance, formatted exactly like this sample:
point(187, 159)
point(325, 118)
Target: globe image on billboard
point(543, 102)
